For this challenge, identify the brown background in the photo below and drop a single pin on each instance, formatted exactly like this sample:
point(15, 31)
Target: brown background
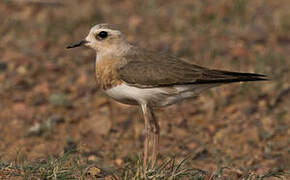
point(49, 100)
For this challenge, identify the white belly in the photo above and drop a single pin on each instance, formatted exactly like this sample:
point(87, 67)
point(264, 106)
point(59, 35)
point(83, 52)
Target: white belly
point(133, 95)
point(156, 97)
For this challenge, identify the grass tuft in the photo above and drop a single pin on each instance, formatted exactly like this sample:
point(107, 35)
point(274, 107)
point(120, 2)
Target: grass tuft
point(72, 166)
point(169, 169)
point(63, 167)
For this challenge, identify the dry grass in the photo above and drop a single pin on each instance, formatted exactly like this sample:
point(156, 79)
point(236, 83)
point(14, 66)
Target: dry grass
point(71, 166)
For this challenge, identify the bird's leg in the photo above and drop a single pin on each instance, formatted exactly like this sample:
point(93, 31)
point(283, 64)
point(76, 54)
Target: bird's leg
point(147, 134)
point(156, 133)
point(151, 134)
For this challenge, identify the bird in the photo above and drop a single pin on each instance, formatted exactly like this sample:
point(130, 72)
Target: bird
point(137, 76)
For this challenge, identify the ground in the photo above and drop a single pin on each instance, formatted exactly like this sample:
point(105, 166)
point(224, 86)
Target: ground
point(50, 103)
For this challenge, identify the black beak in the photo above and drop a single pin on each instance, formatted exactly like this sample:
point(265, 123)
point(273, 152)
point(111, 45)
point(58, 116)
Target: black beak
point(77, 44)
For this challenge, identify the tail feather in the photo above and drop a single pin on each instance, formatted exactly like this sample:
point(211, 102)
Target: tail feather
point(217, 76)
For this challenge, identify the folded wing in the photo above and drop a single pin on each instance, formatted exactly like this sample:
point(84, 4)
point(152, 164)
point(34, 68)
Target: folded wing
point(148, 69)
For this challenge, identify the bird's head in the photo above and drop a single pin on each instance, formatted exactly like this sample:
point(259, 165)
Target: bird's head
point(103, 39)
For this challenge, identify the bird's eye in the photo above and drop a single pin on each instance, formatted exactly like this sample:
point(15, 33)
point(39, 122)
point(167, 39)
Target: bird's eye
point(102, 35)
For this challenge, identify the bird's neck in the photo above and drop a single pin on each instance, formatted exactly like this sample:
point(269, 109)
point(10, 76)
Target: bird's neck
point(113, 51)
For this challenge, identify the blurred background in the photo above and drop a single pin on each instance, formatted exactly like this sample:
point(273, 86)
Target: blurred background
point(50, 102)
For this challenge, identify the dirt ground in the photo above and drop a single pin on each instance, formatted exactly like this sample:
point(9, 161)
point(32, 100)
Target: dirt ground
point(50, 102)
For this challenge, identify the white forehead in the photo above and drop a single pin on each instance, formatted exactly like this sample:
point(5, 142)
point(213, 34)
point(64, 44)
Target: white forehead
point(99, 27)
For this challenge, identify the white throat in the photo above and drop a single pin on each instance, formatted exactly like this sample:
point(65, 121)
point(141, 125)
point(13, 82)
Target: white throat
point(118, 51)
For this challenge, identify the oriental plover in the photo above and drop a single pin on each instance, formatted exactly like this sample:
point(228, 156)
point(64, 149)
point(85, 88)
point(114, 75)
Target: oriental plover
point(136, 76)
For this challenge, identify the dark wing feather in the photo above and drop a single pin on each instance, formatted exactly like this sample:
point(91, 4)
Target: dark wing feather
point(147, 69)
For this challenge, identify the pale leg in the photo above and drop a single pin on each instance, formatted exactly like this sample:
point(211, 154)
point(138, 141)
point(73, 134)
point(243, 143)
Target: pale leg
point(151, 135)
point(154, 127)
point(146, 142)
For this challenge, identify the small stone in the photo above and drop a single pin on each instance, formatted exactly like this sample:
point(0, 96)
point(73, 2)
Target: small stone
point(92, 158)
point(34, 130)
point(56, 118)
point(95, 172)
point(3, 66)
point(119, 162)
point(23, 84)
point(21, 70)
point(193, 146)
